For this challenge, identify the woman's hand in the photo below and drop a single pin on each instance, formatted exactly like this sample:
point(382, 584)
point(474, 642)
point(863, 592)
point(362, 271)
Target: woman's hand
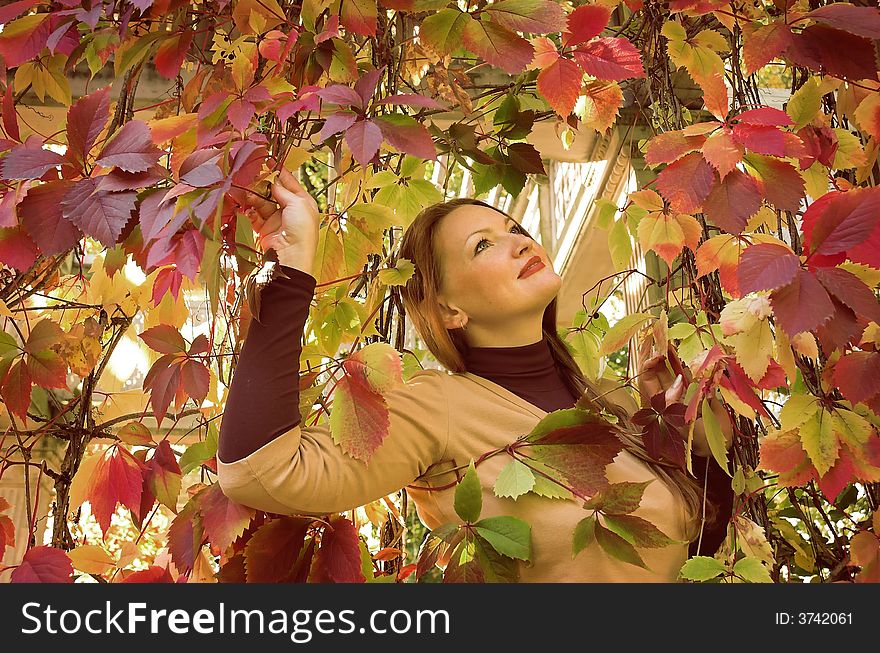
point(654, 377)
point(290, 227)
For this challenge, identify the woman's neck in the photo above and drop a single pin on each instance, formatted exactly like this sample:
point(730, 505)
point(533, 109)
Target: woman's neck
point(509, 334)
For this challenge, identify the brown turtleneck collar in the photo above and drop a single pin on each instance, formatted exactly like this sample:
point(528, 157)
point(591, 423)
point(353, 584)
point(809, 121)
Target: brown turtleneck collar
point(528, 371)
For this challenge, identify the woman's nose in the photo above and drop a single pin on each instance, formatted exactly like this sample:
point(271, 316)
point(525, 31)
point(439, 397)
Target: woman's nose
point(523, 246)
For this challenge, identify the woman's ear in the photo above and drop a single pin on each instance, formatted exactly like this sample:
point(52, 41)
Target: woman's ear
point(453, 317)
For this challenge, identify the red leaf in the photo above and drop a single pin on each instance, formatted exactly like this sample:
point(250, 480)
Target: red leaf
point(722, 151)
point(163, 475)
point(47, 369)
point(359, 16)
point(850, 290)
point(498, 46)
point(763, 43)
point(86, 119)
point(164, 339)
point(760, 139)
point(838, 53)
point(584, 23)
point(802, 305)
point(767, 116)
point(732, 201)
point(364, 138)
point(339, 558)
point(782, 185)
point(560, 84)
point(120, 180)
point(16, 389)
point(857, 374)
point(163, 385)
point(610, 58)
point(98, 214)
point(10, 117)
point(188, 253)
point(196, 379)
point(839, 476)
point(740, 384)
point(842, 329)
point(359, 420)
point(669, 146)
point(171, 53)
point(842, 221)
point(223, 519)
point(15, 9)
point(117, 479)
point(131, 149)
point(43, 564)
point(686, 183)
point(272, 551)
point(782, 452)
point(167, 280)
point(766, 267)
point(29, 160)
point(24, 38)
point(864, 21)
point(17, 250)
point(185, 537)
point(154, 574)
point(407, 135)
point(200, 169)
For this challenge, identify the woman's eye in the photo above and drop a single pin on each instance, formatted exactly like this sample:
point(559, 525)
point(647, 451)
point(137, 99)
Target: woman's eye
point(479, 247)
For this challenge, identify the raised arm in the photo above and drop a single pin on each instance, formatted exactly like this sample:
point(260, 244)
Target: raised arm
point(265, 460)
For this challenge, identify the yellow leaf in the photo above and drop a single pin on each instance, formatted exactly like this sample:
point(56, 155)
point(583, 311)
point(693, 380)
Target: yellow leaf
point(785, 356)
point(399, 274)
point(852, 428)
point(805, 104)
point(753, 349)
point(867, 115)
point(796, 410)
point(752, 540)
point(91, 559)
point(850, 153)
point(623, 331)
point(816, 180)
point(79, 487)
point(820, 441)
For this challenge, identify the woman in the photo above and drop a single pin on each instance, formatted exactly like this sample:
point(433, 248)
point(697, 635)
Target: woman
point(483, 299)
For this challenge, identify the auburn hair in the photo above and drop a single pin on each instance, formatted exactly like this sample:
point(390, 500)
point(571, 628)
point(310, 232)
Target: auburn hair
point(420, 301)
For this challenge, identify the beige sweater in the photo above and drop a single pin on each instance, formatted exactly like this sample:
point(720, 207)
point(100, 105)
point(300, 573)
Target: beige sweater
point(439, 421)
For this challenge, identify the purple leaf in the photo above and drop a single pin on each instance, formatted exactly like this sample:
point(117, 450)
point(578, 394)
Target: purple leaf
point(337, 122)
point(29, 160)
point(340, 94)
point(99, 214)
point(40, 213)
point(407, 135)
point(85, 120)
point(131, 149)
point(365, 87)
point(413, 100)
point(120, 180)
point(154, 215)
point(364, 139)
point(766, 267)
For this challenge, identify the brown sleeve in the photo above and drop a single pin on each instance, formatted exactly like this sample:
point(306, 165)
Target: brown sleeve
point(305, 472)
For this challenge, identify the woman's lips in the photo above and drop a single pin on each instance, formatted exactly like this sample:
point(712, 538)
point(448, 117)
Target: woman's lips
point(533, 265)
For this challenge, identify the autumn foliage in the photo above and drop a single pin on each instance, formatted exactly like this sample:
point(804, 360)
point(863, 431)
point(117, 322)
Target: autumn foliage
point(765, 220)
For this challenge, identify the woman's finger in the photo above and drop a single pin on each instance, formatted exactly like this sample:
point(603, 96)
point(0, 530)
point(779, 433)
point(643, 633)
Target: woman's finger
point(291, 183)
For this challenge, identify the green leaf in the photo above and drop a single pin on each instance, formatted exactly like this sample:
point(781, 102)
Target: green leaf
point(514, 480)
point(443, 31)
point(200, 452)
point(714, 436)
point(508, 535)
point(622, 331)
point(469, 496)
point(620, 245)
point(584, 534)
point(547, 488)
point(752, 570)
point(496, 568)
point(617, 547)
point(701, 568)
point(618, 498)
point(605, 212)
point(639, 532)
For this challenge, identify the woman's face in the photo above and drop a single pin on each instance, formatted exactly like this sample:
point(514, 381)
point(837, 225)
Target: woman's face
point(494, 276)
